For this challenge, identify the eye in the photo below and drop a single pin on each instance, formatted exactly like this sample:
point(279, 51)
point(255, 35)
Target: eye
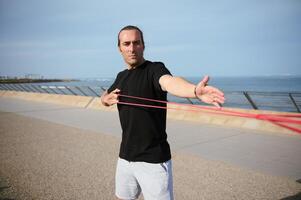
point(137, 42)
point(126, 43)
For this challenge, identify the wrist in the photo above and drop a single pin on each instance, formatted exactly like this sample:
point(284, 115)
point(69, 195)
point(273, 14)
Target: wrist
point(195, 94)
point(103, 101)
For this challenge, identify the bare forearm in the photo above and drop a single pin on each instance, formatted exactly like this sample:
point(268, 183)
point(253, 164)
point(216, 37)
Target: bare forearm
point(182, 88)
point(178, 86)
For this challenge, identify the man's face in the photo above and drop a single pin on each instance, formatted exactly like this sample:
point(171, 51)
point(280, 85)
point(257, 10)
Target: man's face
point(131, 47)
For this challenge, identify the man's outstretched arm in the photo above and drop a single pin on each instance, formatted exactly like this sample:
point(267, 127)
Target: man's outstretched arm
point(180, 87)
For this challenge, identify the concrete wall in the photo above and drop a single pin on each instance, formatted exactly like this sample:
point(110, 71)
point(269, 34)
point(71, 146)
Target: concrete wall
point(80, 101)
point(231, 121)
point(201, 116)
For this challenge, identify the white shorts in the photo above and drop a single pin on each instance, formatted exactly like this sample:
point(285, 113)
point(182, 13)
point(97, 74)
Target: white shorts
point(154, 180)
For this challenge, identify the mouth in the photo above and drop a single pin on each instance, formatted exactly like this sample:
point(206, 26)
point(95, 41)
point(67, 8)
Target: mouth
point(133, 56)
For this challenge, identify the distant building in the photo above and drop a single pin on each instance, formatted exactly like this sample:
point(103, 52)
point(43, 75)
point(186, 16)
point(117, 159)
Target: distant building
point(7, 77)
point(33, 76)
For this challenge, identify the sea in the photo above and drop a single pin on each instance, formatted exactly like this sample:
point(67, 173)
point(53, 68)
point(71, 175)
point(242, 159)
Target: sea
point(266, 92)
point(226, 84)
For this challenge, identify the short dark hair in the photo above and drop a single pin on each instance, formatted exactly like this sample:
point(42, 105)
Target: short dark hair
point(131, 27)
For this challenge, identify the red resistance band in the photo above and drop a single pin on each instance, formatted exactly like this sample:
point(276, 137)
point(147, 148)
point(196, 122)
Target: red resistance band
point(277, 119)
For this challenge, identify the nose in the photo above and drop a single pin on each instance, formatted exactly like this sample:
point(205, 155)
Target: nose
point(131, 47)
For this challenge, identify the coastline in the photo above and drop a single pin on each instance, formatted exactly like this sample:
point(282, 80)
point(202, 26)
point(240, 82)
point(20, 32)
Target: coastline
point(272, 93)
point(27, 80)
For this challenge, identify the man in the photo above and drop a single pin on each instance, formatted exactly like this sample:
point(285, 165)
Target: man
point(144, 163)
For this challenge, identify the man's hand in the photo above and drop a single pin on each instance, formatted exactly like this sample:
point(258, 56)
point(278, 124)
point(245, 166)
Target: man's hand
point(209, 94)
point(109, 99)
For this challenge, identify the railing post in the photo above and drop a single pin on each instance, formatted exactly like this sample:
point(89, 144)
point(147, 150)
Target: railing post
point(22, 86)
point(81, 91)
point(103, 89)
point(19, 88)
point(9, 87)
point(15, 87)
point(68, 88)
point(250, 100)
point(294, 102)
point(52, 89)
point(44, 89)
point(93, 91)
point(29, 88)
point(4, 87)
point(33, 89)
point(40, 90)
point(60, 89)
point(189, 101)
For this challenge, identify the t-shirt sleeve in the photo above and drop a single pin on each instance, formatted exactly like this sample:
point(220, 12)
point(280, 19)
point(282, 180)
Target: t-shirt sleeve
point(159, 70)
point(114, 85)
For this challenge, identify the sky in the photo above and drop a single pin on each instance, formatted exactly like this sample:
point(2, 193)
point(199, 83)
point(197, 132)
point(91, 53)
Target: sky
point(78, 39)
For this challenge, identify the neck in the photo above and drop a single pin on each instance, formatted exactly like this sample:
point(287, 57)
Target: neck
point(136, 65)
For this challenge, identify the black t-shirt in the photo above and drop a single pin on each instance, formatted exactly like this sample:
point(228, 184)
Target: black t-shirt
point(144, 135)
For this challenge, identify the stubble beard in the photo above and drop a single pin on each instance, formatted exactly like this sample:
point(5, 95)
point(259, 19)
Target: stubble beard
point(132, 63)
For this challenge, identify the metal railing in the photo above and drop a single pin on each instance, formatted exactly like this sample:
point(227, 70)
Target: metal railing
point(277, 101)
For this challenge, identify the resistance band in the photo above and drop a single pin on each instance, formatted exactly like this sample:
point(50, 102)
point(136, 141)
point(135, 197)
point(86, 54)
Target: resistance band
point(277, 119)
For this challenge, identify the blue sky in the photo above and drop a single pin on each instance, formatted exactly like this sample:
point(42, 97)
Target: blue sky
point(78, 39)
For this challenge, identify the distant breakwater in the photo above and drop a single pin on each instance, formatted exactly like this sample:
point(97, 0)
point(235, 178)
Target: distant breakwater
point(28, 80)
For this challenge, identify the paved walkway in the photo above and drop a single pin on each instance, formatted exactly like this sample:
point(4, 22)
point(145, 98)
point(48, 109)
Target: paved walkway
point(275, 155)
